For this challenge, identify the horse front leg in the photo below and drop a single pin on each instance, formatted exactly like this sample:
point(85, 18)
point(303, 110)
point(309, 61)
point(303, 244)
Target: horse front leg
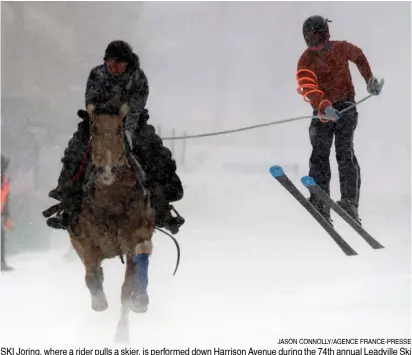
point(139, 296)
point(91, 259)
point(94, 279)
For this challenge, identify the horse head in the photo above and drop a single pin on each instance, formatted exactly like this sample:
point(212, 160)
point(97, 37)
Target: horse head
point(108, 145)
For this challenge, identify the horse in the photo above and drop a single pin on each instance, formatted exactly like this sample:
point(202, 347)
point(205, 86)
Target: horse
point(116, 217)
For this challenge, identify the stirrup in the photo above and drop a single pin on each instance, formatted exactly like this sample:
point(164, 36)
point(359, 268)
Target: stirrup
point(174, 224)
point(168, 221)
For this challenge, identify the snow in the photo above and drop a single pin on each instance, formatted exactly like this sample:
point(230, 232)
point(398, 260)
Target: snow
point(255, 265)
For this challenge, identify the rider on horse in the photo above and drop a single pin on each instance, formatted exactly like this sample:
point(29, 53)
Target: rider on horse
point(121, 76)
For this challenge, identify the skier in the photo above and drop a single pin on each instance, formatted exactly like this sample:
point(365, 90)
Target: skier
point(5, 212)
point(325, 81)
point(120, 75)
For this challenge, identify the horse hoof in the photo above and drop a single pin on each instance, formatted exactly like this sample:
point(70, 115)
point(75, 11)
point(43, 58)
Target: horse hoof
point(99, 302)
point(140, 302)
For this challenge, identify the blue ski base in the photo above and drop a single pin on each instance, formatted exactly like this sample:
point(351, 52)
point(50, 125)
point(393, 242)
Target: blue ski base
point(315, 189)
point(277, 172)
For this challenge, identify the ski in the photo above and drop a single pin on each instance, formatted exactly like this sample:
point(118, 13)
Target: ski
point(314, 188)
point(278, 173)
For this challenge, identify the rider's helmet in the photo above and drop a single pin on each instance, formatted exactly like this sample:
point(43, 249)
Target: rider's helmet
point(122, 52)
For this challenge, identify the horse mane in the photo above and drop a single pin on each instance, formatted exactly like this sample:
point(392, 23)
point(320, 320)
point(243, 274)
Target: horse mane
point(111, 107)
point(107, 109)
point(102, 109)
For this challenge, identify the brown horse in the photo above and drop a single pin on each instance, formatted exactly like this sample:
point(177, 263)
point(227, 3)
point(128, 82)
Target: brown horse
point(116, 217)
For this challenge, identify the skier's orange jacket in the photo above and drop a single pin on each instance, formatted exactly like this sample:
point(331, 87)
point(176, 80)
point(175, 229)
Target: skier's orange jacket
point(330, 67)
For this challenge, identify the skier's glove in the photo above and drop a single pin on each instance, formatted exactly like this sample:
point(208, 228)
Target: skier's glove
point(374, 86)
point(333, 113)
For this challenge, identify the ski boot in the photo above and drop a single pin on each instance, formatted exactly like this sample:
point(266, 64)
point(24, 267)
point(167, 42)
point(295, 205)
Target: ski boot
point(350, 209)
point(321, 208)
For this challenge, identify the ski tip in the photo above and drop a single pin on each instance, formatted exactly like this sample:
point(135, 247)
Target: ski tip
point(276, 171)
point(308, 181)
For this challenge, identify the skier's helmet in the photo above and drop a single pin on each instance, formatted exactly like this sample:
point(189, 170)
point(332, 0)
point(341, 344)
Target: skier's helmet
point(316, 30)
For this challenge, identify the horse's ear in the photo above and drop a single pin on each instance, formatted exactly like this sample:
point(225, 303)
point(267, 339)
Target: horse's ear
point(94, 129)
point(90, 109)
point(83, 115)
point(124, 109)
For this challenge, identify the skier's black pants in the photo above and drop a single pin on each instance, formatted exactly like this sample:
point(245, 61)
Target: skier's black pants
point(321, 138)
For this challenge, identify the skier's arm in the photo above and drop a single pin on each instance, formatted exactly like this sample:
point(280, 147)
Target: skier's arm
point(303, 64)
point(356, 55)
